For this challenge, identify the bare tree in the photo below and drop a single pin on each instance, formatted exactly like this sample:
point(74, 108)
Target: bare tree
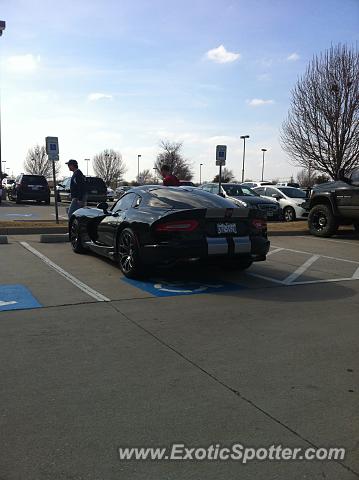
point(171, 155)
point(227, 176)
point(37, 163)
point(322, 128)
point(307, 179)
point(109, 166)
point(146, 177)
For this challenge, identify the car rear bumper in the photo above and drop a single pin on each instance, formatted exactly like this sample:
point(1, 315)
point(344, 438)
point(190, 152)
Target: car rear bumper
point(33, 195)
point(254, 248)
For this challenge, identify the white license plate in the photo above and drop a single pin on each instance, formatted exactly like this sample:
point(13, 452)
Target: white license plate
point(93, 191)
point(226, 228)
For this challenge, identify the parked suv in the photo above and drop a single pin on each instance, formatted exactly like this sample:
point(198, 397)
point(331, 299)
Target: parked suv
point(95, 187)
point(334, 203)
point(30, 187)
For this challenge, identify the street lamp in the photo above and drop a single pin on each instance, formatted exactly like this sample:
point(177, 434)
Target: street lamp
point(87, 166)
point(138, 168)
point(263, 150)
point(243, 137)
point(2, 28)
point(200, 173)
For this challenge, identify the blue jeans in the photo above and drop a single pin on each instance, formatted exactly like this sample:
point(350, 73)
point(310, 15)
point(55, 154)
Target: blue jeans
point(75, 205)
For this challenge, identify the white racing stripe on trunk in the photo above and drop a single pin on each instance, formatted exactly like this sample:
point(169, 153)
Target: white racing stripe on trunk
point(217, 245)
point(242, 244)
point(82, 286)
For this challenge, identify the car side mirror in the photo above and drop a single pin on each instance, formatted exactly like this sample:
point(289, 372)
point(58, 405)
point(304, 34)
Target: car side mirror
point(103, 206)
point(276, 196)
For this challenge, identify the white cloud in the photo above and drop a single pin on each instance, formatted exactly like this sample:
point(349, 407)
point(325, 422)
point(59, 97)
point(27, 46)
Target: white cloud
point(257, 102)
point(93, 97)
point(23, 63)
point(293, 57)
point(221, 55)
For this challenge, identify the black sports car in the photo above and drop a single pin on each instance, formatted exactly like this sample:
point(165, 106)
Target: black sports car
point(159, 226)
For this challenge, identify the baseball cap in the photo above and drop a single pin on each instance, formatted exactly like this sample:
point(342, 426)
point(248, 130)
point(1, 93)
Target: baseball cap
point(72, 162)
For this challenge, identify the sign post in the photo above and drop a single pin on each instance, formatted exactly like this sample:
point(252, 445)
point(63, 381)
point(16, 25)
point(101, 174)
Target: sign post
point(52, 150)
point(221, 155)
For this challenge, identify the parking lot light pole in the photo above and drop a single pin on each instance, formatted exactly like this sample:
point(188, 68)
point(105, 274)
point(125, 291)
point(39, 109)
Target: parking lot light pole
point(138, 168)
point(2, 28)
point(243, 137)
point(200, 173)
point(263, 150)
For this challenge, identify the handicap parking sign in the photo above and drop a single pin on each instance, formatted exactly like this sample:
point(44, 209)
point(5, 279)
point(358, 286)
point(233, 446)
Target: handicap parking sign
point(16, 297)
point(166, 288)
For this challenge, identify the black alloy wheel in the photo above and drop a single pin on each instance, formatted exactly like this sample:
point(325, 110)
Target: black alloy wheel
point(75, 237)
point(128, 254)
point(321, 221)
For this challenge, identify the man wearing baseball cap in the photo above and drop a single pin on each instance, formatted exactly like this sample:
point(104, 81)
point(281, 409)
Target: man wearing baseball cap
point(77, 187)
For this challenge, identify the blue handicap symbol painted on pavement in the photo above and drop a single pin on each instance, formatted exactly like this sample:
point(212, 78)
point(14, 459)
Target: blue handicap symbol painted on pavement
point(165, 288)
point(16, 297)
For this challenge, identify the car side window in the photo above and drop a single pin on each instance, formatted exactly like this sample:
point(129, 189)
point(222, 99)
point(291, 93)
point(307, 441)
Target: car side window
point(206, 188)
point(272, 191)
point(260, 190)
point(125, 202)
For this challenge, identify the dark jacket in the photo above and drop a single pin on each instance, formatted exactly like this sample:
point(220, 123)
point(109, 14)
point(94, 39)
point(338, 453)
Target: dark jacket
point(78, 185)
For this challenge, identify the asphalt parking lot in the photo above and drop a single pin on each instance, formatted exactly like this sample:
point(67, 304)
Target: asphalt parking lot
point(91, 361)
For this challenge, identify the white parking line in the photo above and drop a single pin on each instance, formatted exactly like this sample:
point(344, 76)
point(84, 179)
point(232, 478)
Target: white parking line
point(276, 250)
point(297, 273)
point(356, 274)
point(82, 286)
point(323, 256)
point(327, 240)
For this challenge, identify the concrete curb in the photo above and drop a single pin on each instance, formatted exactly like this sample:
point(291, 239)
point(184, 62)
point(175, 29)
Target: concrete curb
point(32, 230)
point(54, 238)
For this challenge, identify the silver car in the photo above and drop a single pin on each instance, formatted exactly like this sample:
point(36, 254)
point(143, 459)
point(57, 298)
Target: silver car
point(291, 200)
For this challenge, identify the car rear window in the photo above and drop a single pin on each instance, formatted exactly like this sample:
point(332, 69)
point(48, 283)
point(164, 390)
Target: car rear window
point(34, 180)
point(181, 200)
point(96, 182)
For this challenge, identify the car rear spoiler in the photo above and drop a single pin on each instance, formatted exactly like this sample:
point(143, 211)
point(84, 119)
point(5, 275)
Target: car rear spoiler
point(227, 212)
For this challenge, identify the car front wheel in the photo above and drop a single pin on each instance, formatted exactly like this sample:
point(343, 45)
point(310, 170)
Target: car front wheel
point(289, 214)
point(321, 221)
point(128, 254)
point(75, 237)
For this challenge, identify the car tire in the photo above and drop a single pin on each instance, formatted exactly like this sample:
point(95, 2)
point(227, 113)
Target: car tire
point(18, 199)
point(128, 254)
point(356, 227)
point(47, 201)
point(321, 221)
point(75, 237)
point(289, 214)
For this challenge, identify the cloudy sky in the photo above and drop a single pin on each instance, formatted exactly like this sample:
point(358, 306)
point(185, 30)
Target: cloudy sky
point(124, 74)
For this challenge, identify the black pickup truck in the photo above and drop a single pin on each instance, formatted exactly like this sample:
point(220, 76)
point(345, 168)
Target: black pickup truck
point(332, 204)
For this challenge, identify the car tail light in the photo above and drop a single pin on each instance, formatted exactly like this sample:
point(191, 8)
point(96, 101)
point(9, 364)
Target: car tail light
point(177, 226)
point(259, 223)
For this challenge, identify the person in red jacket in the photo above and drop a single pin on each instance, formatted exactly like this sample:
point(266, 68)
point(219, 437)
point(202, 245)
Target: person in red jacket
point(169, 180)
